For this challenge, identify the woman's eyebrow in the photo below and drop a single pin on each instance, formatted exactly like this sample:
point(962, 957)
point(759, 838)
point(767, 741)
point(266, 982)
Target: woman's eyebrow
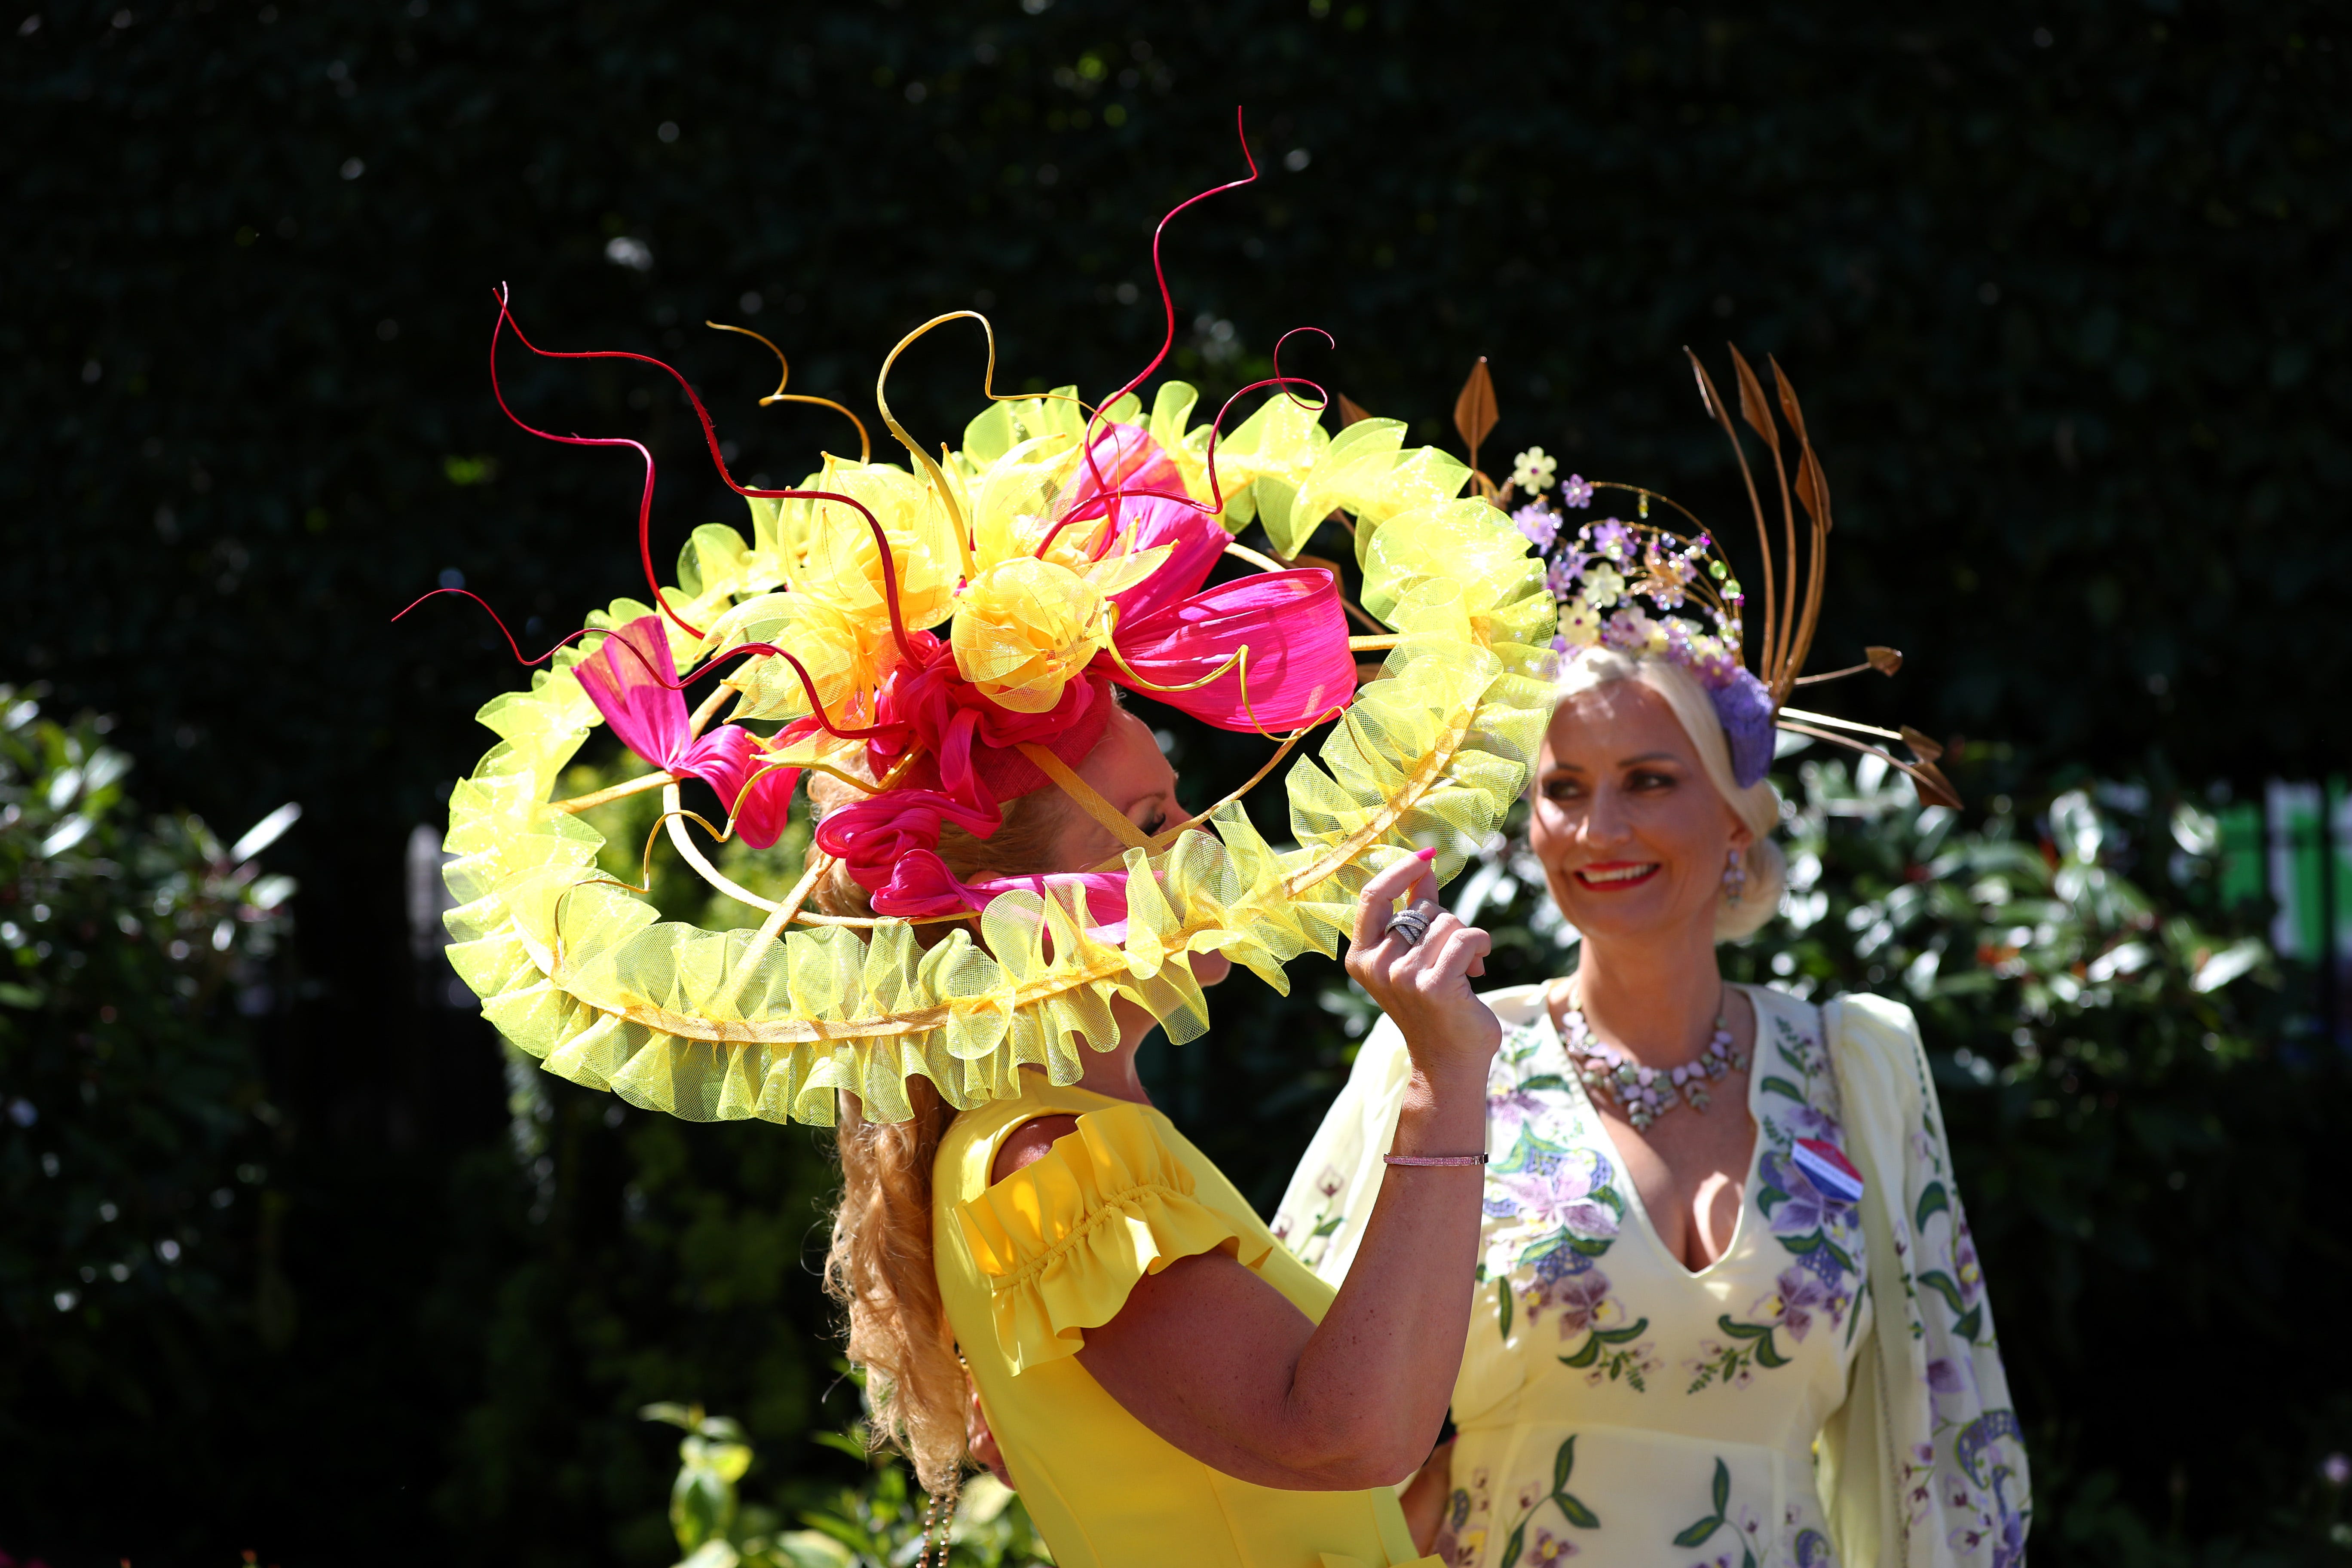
point(1650, 757)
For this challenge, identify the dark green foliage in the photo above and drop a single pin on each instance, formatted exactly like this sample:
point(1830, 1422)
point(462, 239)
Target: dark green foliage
point(2065, 290)
point(609, 1257)
point(880, 1520)
point(2066, 315)
point(141, 1219)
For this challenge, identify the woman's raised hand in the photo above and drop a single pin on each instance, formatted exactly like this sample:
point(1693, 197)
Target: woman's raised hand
point(1425, 986)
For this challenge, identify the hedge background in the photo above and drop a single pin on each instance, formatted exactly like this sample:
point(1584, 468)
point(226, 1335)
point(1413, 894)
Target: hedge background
point(2065, 287)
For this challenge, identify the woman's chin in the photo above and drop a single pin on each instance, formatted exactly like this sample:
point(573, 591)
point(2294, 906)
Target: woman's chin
point(1625, 916)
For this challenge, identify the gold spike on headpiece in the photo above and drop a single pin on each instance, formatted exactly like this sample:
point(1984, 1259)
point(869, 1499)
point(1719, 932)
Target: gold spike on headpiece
point(1789, 626)
point(1616, 579)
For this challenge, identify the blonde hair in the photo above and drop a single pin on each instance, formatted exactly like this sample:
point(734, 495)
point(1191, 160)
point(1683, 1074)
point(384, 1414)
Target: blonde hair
point(879, 1264)
point(1758, 806)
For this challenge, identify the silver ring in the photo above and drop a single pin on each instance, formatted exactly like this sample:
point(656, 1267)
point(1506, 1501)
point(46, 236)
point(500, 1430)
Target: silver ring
point(1414, 926)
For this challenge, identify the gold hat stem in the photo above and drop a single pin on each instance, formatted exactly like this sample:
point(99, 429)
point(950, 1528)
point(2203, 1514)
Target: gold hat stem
point(622, 791)
point(1090, 800)
point(784, 375)
point(1713, 399)
point(1933, 787)
point(784, 914)
point(1840, 723)
point(674, 808)
point(1262, 562)
point(938, 479)
point(819, 862)
point(709, 709)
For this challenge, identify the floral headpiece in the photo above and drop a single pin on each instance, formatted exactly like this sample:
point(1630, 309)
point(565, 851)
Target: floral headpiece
point(943, 637)
point(1643, 588)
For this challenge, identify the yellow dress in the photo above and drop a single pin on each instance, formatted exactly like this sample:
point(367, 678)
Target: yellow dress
point(1028, 1264)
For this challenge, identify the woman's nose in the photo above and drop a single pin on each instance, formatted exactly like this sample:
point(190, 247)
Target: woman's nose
point(1604, 817)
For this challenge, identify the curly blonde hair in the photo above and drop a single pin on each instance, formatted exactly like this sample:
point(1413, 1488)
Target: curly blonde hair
point(879, 1264)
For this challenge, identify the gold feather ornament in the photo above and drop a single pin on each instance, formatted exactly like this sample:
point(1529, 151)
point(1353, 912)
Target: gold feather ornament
point(1636, 585)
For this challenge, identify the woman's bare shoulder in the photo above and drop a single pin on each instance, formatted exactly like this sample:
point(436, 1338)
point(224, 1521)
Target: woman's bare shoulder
point(1028, 1144)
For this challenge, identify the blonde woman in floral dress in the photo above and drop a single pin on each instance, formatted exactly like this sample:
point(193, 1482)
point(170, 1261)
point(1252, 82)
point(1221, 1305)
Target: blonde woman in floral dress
point(1728, 1311)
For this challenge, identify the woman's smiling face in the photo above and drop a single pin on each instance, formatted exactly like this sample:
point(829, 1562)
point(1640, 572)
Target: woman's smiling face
point(1633, 838)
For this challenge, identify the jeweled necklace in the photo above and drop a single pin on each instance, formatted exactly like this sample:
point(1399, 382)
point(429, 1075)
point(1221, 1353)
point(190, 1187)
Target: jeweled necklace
point(1645, 1093)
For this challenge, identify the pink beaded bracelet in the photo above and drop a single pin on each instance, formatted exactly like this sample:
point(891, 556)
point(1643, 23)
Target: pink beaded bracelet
point(1434, 1158)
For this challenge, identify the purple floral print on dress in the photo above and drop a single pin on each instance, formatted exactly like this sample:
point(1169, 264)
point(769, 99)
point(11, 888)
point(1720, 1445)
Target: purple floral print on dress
point(1801, 1295)
point(1553, 1189)
point(1516, 1105)
point(1805, 1121)
point(1966, 1269)
point(1550, 1549)
point(1577, 1294)
point(1807, 1207)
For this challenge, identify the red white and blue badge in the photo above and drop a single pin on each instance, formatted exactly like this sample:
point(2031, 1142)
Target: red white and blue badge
point(1826, 1166)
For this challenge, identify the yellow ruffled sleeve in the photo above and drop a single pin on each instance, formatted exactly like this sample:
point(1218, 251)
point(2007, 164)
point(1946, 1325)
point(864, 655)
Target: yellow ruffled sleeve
point(1060, 1242)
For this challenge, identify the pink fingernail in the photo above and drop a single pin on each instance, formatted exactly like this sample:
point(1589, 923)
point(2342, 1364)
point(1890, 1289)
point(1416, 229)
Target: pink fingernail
point(1428, 854)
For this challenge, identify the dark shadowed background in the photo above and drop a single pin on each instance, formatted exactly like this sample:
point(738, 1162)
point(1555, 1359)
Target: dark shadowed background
point(2065, 289)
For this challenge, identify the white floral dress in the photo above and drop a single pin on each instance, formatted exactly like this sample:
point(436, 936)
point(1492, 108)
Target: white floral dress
point(1617, 1408)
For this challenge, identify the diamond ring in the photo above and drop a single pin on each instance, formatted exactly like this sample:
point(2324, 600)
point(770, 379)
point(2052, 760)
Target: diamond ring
point(1412, 925)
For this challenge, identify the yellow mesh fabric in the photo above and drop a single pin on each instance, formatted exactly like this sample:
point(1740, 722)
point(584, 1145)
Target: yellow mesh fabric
point(582, 974)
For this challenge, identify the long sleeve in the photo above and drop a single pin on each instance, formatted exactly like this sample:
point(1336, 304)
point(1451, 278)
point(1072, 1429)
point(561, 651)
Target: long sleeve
point(1925, 1464)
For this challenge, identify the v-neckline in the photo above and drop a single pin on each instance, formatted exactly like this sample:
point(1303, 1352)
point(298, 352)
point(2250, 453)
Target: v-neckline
point(1632, 1188)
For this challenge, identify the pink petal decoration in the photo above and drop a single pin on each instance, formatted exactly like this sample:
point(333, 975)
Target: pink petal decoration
point(889, 843)
point(1299, 667)
point(919, 885)
point(632, 681)
point(763, 809)
point(1106, 896)
point(1132, 461)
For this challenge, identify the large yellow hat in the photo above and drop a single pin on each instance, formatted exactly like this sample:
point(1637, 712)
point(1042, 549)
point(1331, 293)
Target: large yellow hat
point(910, 630)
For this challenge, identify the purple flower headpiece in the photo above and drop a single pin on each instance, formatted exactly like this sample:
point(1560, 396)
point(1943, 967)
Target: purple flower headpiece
point(1639, 588)
point(1642, 589)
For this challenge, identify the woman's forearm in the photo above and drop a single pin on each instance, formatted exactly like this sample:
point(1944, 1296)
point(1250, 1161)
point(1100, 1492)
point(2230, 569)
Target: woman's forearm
point(1377, 1374)
point(1369, 1386)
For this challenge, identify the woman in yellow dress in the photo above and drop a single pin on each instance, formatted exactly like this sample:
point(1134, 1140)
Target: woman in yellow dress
point(1002, 896)
point(1157, 1378)
point(1729, 1312)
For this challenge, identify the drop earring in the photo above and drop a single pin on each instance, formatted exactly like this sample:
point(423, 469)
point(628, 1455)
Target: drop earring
point(1735, 877)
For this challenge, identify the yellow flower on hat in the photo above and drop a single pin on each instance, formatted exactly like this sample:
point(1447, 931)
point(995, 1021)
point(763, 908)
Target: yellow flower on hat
point(1018, 509)
point(1025, 630)
point(842, 565)
point(846, 654)
point(1580, 623)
